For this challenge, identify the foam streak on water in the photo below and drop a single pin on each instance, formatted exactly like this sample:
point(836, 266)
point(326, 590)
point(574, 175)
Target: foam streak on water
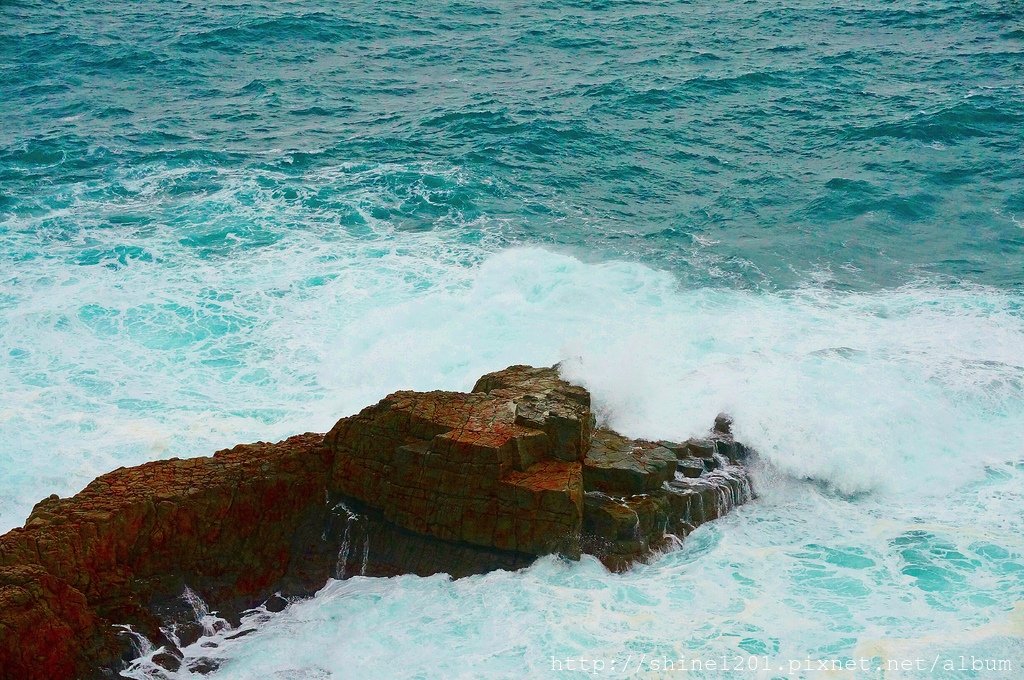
point(236, 221)
point(890, 519)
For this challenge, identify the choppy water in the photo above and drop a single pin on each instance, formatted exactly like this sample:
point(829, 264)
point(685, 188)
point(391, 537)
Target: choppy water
point(236, 221)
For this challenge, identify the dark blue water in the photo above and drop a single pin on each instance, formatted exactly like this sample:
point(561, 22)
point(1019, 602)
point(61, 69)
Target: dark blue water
point(747, 144)
point(235, 221)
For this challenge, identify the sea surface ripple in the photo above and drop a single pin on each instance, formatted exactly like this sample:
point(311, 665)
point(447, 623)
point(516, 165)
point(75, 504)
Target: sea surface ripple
point(231, 221)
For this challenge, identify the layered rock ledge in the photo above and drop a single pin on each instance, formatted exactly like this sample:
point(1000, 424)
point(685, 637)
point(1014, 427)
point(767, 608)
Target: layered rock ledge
point(422, 482)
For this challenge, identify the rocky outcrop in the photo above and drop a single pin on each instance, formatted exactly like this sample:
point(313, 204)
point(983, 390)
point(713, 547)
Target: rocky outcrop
point(499, 467)
point(419, 483)
point(518, 465)
point(233, 526)
point(642, 497)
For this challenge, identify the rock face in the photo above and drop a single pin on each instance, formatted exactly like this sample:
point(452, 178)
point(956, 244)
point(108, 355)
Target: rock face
point(232, 525)
point(419, 483)
point(498, 467)
point(643, 496)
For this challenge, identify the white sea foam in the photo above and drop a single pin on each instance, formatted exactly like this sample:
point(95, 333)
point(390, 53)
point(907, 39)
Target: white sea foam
point(902, 407)
point(120, 343)
point(801, 576)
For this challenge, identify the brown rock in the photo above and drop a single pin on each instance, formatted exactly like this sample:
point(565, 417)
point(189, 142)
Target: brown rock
point(618, 465)
point(47, 628)
point(419, 483)
point(224, 525)
point(498, 467)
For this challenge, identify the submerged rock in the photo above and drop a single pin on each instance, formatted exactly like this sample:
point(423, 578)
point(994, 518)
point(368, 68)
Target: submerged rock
point(422, 482)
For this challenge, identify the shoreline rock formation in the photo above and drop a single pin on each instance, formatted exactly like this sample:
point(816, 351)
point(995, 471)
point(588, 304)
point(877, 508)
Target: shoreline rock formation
point(422, 483)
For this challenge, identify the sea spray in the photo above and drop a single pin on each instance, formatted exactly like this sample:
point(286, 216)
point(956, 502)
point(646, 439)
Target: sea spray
point(240, 221)
point(890, 498)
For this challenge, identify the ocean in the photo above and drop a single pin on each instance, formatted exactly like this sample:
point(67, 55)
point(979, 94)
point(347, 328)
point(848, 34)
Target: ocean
point(234, 221)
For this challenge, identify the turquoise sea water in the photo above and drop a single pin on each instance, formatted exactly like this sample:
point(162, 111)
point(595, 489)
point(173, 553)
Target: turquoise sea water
point(235, 221)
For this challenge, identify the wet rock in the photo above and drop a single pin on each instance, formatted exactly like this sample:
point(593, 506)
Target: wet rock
point(167, 661)
point(275, 603)
point(621, 530)
point(726, 448)
point(691, 467)
point(616, 464)
point(610, 518)
point(700, 448)
point(204, 665)
point(385, 549)
point(187, 632)
point(640, 496)
point(723, 424)
point(741, 453)
point(422, 482)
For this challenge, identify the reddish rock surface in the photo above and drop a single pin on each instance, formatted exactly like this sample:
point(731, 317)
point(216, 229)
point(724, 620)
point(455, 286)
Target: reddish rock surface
point(500, 467)
point(419, 483)
point(227, 526)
